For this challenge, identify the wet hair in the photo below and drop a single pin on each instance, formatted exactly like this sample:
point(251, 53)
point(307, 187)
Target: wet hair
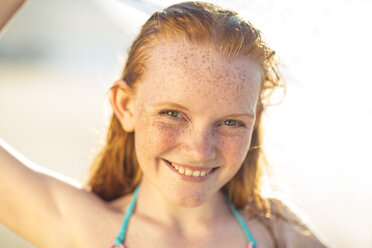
point(115, 171)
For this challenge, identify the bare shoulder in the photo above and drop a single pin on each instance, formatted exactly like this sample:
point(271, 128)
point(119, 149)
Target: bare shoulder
point(290, 224)
point(285, 227)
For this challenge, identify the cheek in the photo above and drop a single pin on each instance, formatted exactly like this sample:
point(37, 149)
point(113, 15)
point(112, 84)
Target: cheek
point(234, 148)
point(155, 138)
point(166, 135)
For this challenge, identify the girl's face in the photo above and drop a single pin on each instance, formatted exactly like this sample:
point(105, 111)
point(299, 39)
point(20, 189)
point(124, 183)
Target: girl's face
point(194, 113)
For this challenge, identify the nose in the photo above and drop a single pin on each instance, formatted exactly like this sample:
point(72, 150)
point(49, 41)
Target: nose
point(199, 146)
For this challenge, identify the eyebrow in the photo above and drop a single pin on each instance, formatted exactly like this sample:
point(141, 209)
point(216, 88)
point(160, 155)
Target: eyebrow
point(176, 105)
point(250, 115)
point(181, 107)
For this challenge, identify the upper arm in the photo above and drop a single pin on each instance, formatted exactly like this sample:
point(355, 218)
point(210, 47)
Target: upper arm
point(37, 206)
point(27, 205)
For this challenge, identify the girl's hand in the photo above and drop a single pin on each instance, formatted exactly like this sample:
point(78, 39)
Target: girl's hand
point(7, 9)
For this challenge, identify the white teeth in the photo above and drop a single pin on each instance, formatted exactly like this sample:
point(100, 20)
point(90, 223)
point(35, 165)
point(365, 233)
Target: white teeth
point(186, 171)
point(196, 173)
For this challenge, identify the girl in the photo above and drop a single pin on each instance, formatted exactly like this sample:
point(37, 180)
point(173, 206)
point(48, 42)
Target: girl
point(183, 163)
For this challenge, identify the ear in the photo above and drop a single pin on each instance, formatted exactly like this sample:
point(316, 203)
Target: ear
point(122, 102)
point(259, 111)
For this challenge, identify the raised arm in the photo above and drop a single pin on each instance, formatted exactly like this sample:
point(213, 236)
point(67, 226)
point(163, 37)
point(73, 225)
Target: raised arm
point(35, 205)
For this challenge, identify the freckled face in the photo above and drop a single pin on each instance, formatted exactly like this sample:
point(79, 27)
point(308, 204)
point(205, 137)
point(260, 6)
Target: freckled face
point(194, 107)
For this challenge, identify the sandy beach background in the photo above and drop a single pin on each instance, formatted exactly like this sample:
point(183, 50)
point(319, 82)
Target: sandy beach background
point(58, 59)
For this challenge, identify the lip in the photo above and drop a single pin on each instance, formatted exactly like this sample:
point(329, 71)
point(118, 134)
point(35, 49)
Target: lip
point(190, 178)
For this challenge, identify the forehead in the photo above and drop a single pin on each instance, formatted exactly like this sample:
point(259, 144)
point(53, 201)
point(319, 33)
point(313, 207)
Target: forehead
point(185, 72)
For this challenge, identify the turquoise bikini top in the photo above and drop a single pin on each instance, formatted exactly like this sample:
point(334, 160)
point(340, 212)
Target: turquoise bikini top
point(119, 241)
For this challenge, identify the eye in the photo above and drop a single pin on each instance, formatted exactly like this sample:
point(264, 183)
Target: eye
point(233, 123)
point(230, 122)
point(171, 113)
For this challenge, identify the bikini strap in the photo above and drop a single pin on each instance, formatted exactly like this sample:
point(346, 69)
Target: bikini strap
point(120, 238)
point(252, 242)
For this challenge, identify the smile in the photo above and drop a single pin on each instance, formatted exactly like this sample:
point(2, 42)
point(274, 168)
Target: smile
point(189, 173)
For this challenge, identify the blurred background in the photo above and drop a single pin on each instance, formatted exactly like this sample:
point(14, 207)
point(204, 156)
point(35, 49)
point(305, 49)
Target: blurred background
point(58, 59)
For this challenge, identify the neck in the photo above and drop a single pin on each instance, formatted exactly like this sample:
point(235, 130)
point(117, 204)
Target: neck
point(178, 217)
